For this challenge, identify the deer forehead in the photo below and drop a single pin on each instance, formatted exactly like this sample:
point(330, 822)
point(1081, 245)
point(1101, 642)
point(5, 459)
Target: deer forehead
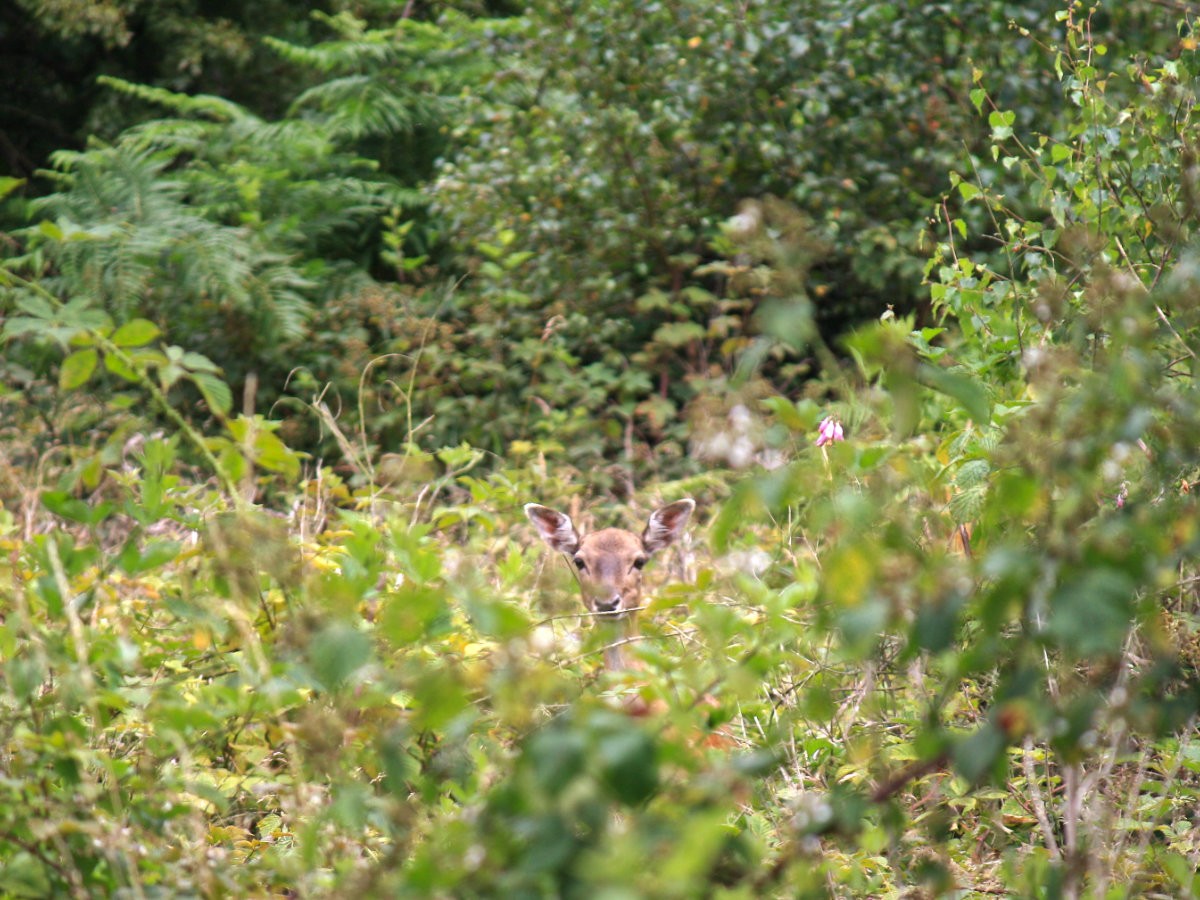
point(617, 541)
point(614, 546)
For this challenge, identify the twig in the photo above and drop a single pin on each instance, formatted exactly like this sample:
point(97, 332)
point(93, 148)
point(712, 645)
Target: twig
point(1037, 801)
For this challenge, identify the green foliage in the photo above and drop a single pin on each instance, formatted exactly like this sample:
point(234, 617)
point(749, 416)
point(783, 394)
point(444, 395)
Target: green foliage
point(53, 51)
point(594, 195)
point(936, 628)
point(251, 241)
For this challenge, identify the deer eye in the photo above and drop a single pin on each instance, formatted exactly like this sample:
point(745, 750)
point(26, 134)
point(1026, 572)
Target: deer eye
point(639, 562)
point(580, 564)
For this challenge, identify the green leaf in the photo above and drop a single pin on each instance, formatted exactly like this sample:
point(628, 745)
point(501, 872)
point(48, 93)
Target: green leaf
point(274, 455)
point(970, 394)
point(118, 367)
point(496, 618)
point(136, 333)
point(1001, 123)
point(8, 184)
point(439, 698)
point(412, 611)
point(38, 307)
point(77, 369)
point(557, 757)
point(979, 752)
point(196, 362)
point(628, 765)
point(216, 392)
point(678, 334)
point(337, 652)
point(157, 553)
point(50, 230)
point(73, 509)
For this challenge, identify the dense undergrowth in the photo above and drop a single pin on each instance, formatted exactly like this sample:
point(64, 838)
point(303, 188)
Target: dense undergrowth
point(934, 630)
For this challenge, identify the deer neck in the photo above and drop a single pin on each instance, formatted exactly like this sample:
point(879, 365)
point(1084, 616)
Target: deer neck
point(620, 635)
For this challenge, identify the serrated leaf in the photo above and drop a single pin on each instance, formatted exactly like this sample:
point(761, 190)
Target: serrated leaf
point(136, 333)
point(77, 369)
point(216, 392)
point(196, 362)
point(1001, 123)
point(972, 472)
point(38, 307)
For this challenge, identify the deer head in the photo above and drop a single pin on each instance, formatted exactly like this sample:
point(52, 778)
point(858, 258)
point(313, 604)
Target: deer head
point(609, 562)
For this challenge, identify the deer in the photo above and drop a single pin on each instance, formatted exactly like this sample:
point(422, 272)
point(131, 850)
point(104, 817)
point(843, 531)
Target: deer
point(608, 563)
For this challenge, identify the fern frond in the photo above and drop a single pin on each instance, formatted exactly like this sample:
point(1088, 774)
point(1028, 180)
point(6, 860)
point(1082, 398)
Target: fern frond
point(336, 56)
point(216, 108)
point(359, 106)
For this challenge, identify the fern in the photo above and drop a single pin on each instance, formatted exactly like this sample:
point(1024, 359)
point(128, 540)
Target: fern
point(216, 108)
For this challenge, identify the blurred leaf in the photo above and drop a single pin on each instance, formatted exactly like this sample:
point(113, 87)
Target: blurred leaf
point(970, 394)
point(677, 334)
point(215, 391)
point(980, 752)
point(628, 764)
point(337, 652)
point(77, 369)
point(135, 561)
point(557, 757)
point(410, 611)
point(135, 333)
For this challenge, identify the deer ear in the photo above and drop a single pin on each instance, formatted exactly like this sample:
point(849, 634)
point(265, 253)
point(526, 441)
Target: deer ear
point(556, 529)
point(667, 524)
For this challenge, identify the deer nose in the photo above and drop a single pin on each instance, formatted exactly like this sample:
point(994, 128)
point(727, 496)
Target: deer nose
point(608, 604)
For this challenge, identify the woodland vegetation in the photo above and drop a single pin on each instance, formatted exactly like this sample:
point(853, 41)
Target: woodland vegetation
point(302, 302)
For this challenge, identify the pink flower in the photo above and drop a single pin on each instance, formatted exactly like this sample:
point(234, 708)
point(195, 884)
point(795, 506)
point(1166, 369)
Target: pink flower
point(829, 431)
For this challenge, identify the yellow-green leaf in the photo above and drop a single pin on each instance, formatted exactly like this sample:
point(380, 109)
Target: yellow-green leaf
point(135, 333)
point(77, 369)
point(117, 366)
